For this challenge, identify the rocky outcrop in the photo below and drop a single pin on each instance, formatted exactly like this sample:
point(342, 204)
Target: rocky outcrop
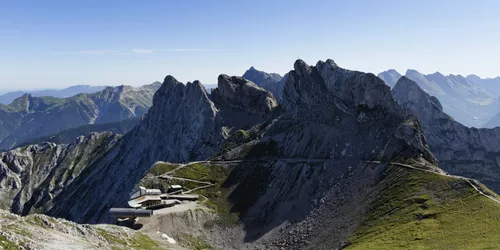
point(355, 106)
point(271, 82)
point(30, 117)
point(469, 152)
point(241, 101)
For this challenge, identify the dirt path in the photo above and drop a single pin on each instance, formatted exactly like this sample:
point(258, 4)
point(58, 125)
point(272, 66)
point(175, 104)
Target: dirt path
point(303, 160)
point(442, 174)
point(169, 177)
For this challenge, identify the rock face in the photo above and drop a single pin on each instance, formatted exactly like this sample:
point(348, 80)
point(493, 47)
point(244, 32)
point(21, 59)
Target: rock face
point(241, 101)
point(272, 82)
point(32, 175)
point(460, 150)
point(30, 117)
point(390, 77)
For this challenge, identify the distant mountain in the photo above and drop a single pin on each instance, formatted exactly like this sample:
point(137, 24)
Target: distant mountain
point(271, 82)
point(390, 77)
point(468, 102)
point(491, 84)
point(9, 97)
point(495, 120)
point(68, 136)
point(29, 117)
point(210, 87)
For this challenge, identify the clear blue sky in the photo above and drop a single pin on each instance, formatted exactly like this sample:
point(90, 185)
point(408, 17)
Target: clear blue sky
point(61, 43)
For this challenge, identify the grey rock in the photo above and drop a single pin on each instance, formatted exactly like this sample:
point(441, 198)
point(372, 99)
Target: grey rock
point(240, 94)
point(272, 82)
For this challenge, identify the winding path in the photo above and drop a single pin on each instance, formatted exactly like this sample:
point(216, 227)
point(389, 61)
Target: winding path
point(304, 160)
point(471, 183)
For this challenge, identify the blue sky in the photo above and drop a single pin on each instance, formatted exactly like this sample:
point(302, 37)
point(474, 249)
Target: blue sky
point(52, 44)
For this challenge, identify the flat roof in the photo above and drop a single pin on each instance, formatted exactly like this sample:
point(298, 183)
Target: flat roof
point(138, 201)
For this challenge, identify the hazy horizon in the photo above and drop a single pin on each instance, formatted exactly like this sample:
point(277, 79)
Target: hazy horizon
point(7, 90)
point(58, 44)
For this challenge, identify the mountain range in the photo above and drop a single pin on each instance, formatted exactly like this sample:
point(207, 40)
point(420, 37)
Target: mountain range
point(9, 97)
point(336, 160)
point(470, 100)
point(29, 117)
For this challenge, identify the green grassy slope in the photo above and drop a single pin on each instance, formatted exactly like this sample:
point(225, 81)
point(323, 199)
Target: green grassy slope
point(419, 210)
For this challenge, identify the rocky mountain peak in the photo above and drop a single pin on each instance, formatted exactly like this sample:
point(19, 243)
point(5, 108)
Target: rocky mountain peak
point(408, 87)
point(310, 86)
point(409, 94)
point(241, 94)
point(174, 100)
point(301, 67)
point(271, 82)
point(390, 77)
point(412, 71)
